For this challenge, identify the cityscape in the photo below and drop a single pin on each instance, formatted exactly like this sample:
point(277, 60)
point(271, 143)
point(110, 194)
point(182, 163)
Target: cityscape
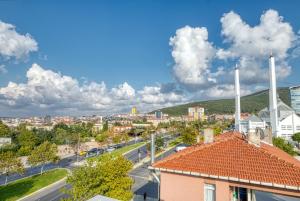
point(149, 100)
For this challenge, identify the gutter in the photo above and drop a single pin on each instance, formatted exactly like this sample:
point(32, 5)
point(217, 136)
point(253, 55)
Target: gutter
point(235, 179)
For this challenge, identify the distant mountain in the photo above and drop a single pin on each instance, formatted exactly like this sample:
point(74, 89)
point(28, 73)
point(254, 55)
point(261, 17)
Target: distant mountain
point(252, 103)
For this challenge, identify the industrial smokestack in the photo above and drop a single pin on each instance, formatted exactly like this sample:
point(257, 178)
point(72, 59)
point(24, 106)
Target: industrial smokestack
point(237, 99)
point(273, 97)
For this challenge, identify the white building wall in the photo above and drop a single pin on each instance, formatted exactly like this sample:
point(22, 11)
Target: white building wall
point(289, 126)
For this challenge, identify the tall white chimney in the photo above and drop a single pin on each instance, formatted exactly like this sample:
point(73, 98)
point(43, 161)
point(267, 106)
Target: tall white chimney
point(273, 97)
point(237, 99)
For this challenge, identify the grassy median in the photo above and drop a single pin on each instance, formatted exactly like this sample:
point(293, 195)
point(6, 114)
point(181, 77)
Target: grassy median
point(23, 187)
point(119, 151)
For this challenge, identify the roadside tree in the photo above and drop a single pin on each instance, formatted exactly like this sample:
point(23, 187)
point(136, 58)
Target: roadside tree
point(9, 164)
point(43, 154)
point(107, 176)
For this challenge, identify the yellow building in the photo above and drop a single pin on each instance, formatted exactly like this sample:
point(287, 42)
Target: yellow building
point(133, 110)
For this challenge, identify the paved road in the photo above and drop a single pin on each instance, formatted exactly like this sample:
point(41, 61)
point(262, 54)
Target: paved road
point(56, 193)
point(64, 163)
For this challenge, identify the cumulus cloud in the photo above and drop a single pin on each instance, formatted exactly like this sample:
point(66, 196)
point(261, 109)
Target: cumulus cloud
point(155, 95)
point(51, 92)
point(251, 46)
point(13, 44)
point(123, 91)
point(192, 53)
point(248, 46)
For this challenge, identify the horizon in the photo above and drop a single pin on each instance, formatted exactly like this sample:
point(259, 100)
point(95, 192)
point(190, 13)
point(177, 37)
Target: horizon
point(104, 57)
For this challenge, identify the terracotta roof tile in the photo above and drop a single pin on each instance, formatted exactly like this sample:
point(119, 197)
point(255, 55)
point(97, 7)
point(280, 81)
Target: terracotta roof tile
point(230, 155)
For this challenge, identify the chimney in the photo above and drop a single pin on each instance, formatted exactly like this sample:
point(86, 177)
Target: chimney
point(273, 97)
point(268, 135)
point(237, 99)
point(208, 135)
point(254, 137)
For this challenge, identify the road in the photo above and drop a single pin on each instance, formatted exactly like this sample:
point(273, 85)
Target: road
point(56, 193)
point(64, 163)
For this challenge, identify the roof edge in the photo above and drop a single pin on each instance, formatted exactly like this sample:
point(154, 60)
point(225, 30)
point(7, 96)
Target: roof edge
point(197, 174)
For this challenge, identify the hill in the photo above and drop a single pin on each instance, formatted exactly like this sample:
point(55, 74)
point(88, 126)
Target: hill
point(252, 103)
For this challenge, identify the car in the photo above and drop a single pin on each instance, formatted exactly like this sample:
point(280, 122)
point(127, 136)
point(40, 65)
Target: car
point(82, 153)
point(110, 149)
point(181, 147)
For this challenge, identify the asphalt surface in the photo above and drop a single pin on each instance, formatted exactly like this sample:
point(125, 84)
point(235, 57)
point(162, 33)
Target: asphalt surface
point(56, 193)
point(64, 163)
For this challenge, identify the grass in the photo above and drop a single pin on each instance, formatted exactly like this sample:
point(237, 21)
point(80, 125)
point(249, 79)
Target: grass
point(23, 187)
point(120, 151)
point(175, 142)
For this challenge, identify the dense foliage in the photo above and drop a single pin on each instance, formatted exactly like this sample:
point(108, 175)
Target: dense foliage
point(24, 140)
point(107, 176)
point(285, 146)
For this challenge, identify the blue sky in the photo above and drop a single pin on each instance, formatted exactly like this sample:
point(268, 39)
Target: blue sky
point(129, 41)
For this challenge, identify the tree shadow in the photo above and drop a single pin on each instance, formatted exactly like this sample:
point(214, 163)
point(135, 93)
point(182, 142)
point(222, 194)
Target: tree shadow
point(14, 191)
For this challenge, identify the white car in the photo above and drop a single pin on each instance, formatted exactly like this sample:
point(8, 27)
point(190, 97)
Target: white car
point(180, 147)
point(110, 149)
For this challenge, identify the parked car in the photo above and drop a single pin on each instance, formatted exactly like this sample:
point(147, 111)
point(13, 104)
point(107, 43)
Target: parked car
point(110, 149)
point(181, 147)
point(82, 153)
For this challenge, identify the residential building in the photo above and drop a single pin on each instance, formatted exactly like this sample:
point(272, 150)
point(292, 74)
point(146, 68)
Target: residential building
point(196, 113)
point(229, 167)
point(295, 98)
point(288, 120)
point(251, 124)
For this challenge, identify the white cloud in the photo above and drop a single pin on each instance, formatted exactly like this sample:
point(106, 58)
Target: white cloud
point(13, 44)
point(192, 53)
point(252, 45)
point(49, 92)
point(123, 91)
point(223, 91)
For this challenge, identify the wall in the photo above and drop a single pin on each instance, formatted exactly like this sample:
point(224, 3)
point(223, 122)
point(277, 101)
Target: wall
point(176, 187)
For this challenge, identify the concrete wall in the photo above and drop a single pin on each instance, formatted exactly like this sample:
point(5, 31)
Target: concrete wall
point(175, 187)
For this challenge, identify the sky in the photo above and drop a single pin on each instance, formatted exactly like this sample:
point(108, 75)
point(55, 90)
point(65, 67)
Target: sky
point(101, 57)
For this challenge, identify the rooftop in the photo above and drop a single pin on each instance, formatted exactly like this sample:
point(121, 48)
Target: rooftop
point(231, 157)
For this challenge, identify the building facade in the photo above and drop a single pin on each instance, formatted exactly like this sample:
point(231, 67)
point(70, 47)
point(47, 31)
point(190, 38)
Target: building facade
point(229, 167)
point(196, 113)
point(295, 98)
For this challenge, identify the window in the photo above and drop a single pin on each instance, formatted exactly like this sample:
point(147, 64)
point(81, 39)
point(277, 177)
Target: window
point(298, 128)
point(209, 192)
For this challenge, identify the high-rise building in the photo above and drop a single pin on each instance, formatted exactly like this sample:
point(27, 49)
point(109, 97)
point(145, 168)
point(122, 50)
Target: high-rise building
point(196, 113)
point(295, 98)
point(158, 114)
point(133, 110)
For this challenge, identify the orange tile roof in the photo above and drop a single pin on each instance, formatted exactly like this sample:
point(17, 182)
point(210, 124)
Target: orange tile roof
point(231, 156)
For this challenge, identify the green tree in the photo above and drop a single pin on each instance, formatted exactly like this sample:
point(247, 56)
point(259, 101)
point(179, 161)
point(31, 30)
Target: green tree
point(189, 135)
point(107, 176)
point(117, 139)
point(285, 146)
point(296, 138)
point(43, 154)
point(102, 137)
point(159, 143)
point(9, 164)
point(4, 130)
point(27, 140)
point(105, 126)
